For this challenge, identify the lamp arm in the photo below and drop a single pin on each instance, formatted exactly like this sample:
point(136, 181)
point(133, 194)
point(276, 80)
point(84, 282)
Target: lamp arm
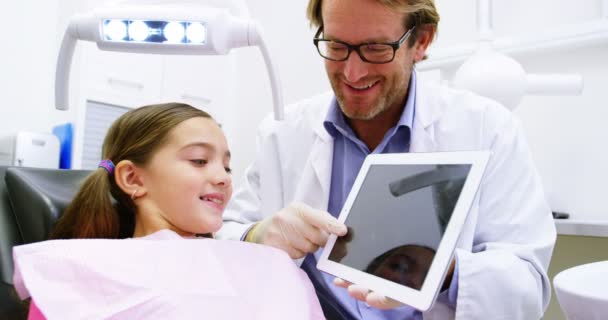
point(256, 38)
point(554, 84)
point(484, 20)
point(62, 73)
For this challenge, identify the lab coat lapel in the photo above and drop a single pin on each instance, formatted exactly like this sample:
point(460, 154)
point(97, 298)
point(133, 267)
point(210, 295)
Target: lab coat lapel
point(314, 185)
point(422, 139)
point(428, 111)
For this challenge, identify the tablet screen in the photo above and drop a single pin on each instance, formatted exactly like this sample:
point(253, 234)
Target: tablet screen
point(398, 218)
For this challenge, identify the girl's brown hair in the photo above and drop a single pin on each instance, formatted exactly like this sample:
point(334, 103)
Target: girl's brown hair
point(101, 209)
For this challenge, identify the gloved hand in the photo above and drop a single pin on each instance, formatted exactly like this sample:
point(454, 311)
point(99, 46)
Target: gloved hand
point(297, 229)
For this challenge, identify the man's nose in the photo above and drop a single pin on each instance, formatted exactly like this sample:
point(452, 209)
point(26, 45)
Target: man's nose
point(354, 68)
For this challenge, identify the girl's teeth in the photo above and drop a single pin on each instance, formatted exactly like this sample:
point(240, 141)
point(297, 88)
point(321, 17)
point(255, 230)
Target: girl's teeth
point(218, 201)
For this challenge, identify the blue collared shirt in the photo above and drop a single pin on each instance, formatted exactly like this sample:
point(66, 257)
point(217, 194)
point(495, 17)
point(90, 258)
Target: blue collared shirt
point(349, 154)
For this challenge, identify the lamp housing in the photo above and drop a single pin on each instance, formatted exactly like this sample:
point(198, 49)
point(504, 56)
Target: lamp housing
point(163, 28)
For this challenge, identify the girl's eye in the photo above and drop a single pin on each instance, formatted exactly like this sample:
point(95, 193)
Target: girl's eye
point(199, 162)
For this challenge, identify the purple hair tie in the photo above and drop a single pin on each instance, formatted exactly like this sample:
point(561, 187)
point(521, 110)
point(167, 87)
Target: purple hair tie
point(108, 165)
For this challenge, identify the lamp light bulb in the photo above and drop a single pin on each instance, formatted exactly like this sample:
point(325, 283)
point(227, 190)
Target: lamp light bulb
point(138, 30)
point(115, 30)
point(174, 32)
point(196, 33)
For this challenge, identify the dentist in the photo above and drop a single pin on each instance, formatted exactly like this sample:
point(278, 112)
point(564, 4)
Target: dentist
point(310, 160)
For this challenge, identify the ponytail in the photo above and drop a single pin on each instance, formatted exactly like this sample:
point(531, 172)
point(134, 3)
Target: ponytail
point(91, 214)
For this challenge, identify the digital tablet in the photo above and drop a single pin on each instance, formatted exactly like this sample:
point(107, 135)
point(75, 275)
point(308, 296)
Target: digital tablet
point(404, 215)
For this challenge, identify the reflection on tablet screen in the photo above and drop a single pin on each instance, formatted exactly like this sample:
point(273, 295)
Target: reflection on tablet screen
point(398, 218)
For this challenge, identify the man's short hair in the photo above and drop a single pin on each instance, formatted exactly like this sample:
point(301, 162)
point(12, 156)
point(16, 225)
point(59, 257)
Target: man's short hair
point(418, 13)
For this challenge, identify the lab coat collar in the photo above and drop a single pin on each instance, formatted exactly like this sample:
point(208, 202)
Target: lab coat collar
point(429, 109)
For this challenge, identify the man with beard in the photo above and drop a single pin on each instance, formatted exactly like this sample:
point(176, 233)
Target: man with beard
point(310, 160)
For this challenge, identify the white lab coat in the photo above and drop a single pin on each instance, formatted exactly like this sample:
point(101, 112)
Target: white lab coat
point(505, 248)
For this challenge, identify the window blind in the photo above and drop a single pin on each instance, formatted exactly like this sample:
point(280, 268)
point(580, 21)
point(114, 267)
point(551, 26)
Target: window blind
point(98, 119)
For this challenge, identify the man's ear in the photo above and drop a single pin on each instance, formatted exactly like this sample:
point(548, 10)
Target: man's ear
point(129, 179)
point(425, 35)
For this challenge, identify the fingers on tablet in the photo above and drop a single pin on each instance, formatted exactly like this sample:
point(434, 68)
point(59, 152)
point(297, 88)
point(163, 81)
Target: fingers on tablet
point(341, 283)
point(358, 292)
point(379, 301)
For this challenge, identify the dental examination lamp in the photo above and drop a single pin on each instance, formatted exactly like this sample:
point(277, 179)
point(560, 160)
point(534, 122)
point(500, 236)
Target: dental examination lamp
point(495, 75)
point(173, 29)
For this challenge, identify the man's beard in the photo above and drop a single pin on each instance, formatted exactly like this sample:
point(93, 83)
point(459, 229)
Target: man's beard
point(381, 104)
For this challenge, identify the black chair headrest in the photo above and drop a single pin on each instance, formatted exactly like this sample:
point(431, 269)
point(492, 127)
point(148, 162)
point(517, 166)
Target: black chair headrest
point(9, 233)
point(39, 197)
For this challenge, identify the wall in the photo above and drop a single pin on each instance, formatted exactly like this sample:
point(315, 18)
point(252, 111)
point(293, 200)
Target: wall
point(32, 34)
point(300, 69)
point(565, 133)
point(28, 77)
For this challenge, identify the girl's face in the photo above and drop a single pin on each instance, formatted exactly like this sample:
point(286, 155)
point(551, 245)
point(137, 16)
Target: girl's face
point(187, 181)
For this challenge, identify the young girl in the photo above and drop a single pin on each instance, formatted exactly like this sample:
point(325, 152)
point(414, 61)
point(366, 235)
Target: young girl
point(165, 180)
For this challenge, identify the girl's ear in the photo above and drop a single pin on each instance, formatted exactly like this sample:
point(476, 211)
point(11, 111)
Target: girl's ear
point(129, 179)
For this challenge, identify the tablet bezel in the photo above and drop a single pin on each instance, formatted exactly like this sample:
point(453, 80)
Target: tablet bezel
point(424, 298)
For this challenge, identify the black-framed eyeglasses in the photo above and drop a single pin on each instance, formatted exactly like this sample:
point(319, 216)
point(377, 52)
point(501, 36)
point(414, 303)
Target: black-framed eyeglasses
point(370, 52)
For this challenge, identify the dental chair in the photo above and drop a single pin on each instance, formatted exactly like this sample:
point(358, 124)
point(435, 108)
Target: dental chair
point(10, 305)
point(31, 200)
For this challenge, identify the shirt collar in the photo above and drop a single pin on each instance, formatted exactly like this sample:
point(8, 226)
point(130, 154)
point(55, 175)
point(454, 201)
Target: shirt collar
point(335, 123)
